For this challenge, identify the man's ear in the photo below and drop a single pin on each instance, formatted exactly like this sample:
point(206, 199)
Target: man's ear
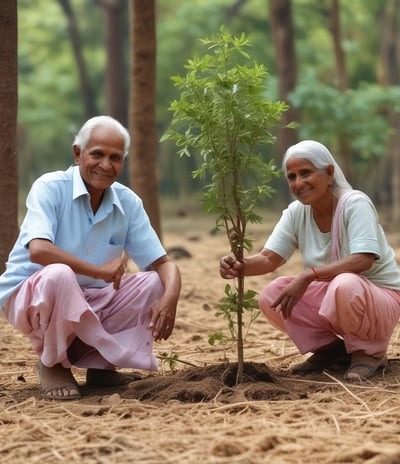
point(77, 153)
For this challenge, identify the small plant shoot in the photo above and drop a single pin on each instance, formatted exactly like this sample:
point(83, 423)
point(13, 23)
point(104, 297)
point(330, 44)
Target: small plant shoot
point(224, 117)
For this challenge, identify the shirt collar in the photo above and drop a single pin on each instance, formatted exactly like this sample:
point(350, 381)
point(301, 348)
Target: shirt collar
point(79, 189)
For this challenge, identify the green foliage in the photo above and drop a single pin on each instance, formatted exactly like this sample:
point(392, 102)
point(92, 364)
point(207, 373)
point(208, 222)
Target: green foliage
point(224, 116)
point(50, 104)
point(50, 109)
point(358, 117)
point(169, 359)
point(227, 308)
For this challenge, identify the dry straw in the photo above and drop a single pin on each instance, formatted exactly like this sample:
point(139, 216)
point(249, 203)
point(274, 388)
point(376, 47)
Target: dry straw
point(319, 420)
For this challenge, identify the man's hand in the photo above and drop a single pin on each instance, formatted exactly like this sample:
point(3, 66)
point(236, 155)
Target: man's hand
point(162, 319)
point(113, 271)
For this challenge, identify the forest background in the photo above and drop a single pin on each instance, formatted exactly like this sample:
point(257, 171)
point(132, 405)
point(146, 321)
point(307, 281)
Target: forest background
point(348, 106)
point(336, 63)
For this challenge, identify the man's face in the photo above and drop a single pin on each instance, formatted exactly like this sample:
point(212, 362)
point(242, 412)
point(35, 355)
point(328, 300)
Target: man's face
point(102, 160)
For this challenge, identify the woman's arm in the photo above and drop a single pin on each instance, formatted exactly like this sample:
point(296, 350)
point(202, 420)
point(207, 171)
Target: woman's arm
point(355, 263)
point(261, 263)
point(289, 297)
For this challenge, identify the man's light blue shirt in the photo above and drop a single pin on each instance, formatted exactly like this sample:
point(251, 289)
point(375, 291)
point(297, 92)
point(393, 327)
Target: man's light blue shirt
point(58, 209)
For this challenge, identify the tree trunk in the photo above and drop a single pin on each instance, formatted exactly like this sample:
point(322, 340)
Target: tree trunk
point(87, 93)
point(8, 128)
point(233, 10)
point(143, 163)
point(390, 59)
point(114, 12)
point(283, 38)
point(116, 73)
point(340, 58)
point(342, 82)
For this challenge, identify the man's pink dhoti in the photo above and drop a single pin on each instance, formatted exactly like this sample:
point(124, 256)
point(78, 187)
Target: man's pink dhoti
point(99, 328)
point(350, 307)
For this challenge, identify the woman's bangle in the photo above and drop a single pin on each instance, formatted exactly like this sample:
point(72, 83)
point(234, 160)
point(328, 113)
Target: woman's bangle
point(315, 273)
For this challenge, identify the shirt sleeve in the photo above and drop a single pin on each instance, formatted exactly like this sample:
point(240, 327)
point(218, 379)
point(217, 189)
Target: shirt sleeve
point(40, 220)
point(283, 240)
point(142, 244)
point(360, 227)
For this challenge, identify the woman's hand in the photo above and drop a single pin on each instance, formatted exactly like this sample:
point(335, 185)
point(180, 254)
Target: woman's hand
point(289, 297)
point(229, 267)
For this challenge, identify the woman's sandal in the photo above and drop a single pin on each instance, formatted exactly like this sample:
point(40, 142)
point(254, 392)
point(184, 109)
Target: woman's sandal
point(364, 367)
point(322, 359)
point(57, 383)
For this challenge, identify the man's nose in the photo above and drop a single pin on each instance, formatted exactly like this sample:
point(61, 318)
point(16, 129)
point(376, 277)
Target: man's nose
point(105, 163)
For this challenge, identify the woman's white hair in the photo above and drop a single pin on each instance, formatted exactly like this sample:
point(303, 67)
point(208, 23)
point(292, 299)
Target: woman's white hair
point(82, 137)
point(320, 157)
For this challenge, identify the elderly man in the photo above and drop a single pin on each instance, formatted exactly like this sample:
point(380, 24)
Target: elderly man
point(65, 284)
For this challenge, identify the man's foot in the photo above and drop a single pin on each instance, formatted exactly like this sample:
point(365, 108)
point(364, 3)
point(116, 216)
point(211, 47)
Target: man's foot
point(322, 358)
point(57, 383)
point(364, 366)
point(109, 378)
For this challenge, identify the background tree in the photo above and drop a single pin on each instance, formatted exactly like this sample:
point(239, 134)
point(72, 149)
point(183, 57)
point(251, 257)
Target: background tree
point(51, 109)
point(87, 93)
point(341, 78)
point(390, 76)
point(116, 83)
point(8, 128)
point(116, 79)
point(142, 107)
point(286, 67)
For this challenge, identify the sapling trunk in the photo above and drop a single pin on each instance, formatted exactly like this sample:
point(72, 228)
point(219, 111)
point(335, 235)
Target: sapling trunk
point(236, 239)
point(224, 115)
point(240, 349)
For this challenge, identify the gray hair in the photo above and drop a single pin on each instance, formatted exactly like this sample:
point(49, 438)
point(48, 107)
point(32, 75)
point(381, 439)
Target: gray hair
point(82, 137)
point(320, 157)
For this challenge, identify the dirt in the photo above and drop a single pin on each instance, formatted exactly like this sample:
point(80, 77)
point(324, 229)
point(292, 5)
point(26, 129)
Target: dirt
point(191, 411)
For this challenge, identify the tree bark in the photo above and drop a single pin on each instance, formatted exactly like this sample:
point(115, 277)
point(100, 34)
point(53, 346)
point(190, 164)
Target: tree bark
point(390, 59)
point(286, 62)
point(87, 93)
point(8, 128)
point(340, 58)
point(143, 153)
point(341, 82)
point(114, 13)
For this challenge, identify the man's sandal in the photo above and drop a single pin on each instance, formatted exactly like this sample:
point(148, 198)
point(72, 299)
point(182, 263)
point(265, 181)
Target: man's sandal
point(322, 358)
point(57, 383)
point(364, 367)
point(110, 378)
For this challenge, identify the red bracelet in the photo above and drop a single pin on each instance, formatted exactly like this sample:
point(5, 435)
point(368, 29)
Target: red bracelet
point(315, 273)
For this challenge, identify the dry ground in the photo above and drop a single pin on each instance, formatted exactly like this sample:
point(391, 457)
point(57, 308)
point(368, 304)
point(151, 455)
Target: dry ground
point(180, 415)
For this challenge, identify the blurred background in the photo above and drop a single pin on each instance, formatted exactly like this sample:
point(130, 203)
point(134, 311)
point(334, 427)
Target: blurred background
point(336, 63)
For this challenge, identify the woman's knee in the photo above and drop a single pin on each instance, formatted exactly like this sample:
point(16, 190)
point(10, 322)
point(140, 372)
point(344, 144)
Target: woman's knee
point(345, 284)
point(270, 293)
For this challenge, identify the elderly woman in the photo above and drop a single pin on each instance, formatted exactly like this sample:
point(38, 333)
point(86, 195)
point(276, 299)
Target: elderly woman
point(346, 302)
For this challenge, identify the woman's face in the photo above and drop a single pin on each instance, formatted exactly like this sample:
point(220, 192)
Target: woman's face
point(307, 183)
